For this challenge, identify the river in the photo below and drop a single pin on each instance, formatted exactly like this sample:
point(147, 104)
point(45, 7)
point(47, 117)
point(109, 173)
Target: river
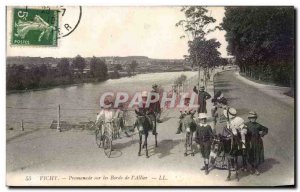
point(79, 103)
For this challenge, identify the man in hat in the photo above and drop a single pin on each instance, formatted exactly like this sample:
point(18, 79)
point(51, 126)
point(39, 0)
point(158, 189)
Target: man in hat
point(202, 97)
point(156, 106)
point(203, 137)
point(254, 142)
point(142, 109)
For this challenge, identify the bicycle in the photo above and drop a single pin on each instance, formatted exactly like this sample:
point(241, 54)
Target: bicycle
point(104, 137)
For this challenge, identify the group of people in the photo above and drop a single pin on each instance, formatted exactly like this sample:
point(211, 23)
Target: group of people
point(248, 135)
point(109, 114)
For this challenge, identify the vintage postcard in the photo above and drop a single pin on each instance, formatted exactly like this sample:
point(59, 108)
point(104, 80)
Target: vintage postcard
point(150, 96)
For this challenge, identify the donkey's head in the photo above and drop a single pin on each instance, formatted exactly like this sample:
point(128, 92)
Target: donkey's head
point(188, 122)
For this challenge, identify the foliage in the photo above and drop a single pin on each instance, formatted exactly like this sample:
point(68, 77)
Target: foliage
point(180, 80)
point(79, 63)
point(63, 67)
point(131, 67)
point(98, 69)
point(197, 25)
point(43, 76)
point(262, 41)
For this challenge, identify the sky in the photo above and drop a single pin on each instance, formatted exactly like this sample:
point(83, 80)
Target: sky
point(122, 31)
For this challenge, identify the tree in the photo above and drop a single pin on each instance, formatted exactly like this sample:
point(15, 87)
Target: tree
point(98, 69)
point(117, 68)
point(262, 41)
point(64, 67)
point(132, 66)
point(196, 27)
point(79, 63)
point(206, 51)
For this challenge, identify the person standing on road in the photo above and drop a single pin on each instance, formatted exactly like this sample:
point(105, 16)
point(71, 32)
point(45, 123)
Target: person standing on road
point(216, 106)
point(203, 137)
point(202, 97)
point(156, 106)
point(254, 142)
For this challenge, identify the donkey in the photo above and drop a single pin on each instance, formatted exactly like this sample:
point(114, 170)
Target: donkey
point(144, 124)
point(189, 127)
point(232, 149)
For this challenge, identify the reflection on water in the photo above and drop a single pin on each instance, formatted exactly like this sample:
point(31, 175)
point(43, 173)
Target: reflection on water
point(78, 102)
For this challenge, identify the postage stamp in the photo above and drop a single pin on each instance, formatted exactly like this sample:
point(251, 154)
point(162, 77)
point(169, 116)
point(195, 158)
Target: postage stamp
point(34, 27)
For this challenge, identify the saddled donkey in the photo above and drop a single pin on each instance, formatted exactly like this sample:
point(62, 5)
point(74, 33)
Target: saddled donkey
point(233, 149)
point(189, 127)
point(144, 124)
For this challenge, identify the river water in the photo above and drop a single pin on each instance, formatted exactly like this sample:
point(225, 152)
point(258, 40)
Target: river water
point(79, 103)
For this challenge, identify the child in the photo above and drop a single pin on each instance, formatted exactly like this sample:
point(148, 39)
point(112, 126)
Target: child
point(183, 112)
point(204, 136)
point(254, 142)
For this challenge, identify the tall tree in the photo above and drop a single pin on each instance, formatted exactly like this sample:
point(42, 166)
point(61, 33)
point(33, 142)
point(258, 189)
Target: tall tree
point(262, 41)
point(79, 63)
point(197, 25)
point(98, 69)
point(132, 66)
point(64, 67)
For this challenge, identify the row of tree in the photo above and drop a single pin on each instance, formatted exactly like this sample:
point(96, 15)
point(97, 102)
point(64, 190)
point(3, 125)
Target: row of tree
point(262, 41)
point(67, 71)
point(203, 52)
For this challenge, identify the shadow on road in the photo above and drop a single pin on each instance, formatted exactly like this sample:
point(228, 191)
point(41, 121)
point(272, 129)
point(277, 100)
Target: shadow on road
point(164, 148)
point(268, 164)
point(119, 146)
point(164, 119)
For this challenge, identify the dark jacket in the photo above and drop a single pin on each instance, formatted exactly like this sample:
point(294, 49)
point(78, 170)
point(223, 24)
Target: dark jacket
point(202, 97)
point(254, 142)
point(203, 137)
point(204, 134)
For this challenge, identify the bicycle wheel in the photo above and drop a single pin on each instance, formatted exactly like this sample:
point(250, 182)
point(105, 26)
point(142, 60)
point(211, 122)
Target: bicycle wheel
point(98, 137)
point(107, 145)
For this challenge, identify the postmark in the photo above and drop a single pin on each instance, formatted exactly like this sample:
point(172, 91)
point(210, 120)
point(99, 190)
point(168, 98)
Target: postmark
point(70, 18)
point(35, 27)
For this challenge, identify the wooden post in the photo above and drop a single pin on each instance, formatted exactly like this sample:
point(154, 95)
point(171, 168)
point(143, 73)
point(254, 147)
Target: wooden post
point(22, 125)
point(58, 118)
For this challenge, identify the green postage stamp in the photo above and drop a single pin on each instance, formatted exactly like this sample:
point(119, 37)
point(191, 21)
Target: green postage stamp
point(35, 27)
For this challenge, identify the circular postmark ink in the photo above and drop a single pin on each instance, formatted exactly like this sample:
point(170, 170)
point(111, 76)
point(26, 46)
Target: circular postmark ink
point(69, 20)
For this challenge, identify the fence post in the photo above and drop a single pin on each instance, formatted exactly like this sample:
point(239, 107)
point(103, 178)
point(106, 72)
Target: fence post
point(22, 126)
point(58, 119)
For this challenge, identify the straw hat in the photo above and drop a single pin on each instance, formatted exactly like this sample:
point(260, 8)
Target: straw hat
point(144, 94)
point(202, 116)
point(202, 88)
point(231, 112)
point(252, 114)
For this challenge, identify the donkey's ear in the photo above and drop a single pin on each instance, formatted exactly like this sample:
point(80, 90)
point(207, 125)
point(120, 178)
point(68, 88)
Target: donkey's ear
point(136, 112)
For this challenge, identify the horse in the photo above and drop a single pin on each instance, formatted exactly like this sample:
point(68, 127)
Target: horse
point(145, 123)
point(189, 127)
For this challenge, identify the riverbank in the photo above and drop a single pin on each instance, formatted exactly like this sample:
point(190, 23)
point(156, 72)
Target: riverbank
point(49, 152)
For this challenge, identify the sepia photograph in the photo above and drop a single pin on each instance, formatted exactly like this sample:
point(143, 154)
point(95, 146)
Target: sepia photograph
point(150, 96)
